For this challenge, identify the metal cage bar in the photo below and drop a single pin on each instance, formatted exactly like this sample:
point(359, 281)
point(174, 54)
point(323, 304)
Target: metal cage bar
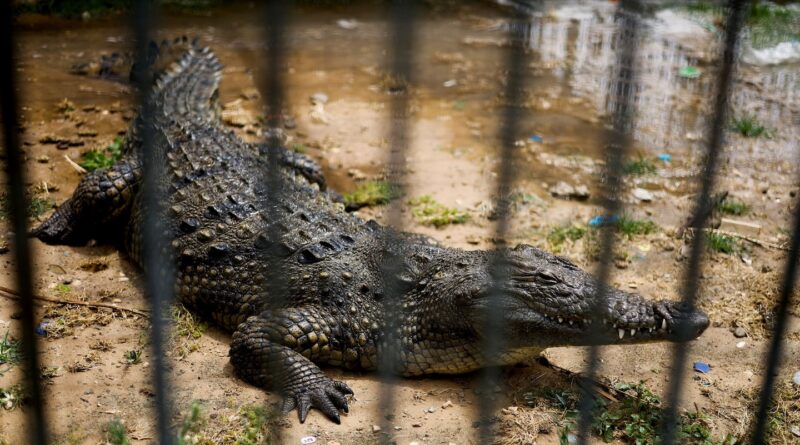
point(617, 146)
point(511, 113)
point(401, 44)
point(773, 357)
point(276, 15)
point(15, 175)
point(690, 290)
point(159, 270)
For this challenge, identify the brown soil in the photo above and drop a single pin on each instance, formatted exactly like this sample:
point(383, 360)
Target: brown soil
point(451, 157)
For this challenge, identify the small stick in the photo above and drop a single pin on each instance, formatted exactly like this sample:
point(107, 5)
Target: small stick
point(13, 295)
point(756, 241)
point(77, 167)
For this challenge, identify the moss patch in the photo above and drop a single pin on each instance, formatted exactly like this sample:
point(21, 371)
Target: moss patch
point(427, 211)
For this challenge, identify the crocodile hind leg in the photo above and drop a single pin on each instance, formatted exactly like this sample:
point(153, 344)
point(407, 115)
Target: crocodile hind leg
point(275, 351)
point(102, 197)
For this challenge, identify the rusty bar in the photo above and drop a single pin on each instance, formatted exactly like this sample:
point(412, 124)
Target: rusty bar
point(617, 146)
point(401, 43)
point(733, 24)
point(15, 175)
point(159, 270)
point(511, 115)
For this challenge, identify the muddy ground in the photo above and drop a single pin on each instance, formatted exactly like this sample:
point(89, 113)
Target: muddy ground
point(455, 103)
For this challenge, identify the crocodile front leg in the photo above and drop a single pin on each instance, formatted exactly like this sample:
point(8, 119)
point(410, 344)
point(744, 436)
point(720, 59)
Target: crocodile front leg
point(102, 198)
point(275, 351)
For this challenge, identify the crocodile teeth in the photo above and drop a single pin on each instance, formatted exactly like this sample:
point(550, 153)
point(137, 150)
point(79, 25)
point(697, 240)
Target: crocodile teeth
point(570, 322)
point(560, 320)
point(651, 330)
point(621, 333)
point(664, 324)
point(633, 332)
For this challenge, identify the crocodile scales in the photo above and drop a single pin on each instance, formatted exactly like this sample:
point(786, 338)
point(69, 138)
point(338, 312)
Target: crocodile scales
point(226, 239)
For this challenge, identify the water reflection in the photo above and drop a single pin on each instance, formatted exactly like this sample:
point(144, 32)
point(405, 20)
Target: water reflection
point(578, 44)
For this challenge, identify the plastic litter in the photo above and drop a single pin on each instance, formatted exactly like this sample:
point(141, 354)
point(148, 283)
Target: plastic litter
point(602, 220)
point(535, 138)
point(689, 72)
point(308, 439)
point(450, 83)
point(796, 378)
point(704, 368)
point(666, 157)
point(40, 328)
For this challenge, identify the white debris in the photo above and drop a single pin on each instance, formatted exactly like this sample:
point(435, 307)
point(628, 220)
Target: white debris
point(784, 52)
point(347, 23)
point(642, 194)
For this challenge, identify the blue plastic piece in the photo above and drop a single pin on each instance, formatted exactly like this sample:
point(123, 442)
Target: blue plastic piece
point(705, 368)
point(535, 138)
point(40, 328)
point(666, 157)
point(601, 220)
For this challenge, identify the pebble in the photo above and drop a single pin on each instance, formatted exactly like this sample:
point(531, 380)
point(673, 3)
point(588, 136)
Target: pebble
point(795, 430)
point(566, 191)
point(431, 410)
point(447, 404)
point(319, 98)
point(796, 378)
point(740, 332)
point(642, 194)
point(741, 344)
point(376, 428)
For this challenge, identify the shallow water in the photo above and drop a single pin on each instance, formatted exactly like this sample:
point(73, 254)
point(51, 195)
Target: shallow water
point(457, 81)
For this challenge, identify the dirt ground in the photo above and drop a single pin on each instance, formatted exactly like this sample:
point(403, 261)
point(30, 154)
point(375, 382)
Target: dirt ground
point(452, 157)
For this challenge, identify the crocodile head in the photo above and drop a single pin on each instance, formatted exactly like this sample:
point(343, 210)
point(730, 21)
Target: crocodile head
point(548, 302)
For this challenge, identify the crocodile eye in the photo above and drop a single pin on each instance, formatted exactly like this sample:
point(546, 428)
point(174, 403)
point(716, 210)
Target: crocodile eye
point(546, 278)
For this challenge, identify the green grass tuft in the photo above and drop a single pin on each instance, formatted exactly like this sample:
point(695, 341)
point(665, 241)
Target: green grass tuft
point(36, 206)
point(429, 212)
point(116, 433)
point(559, 235)
point(10, 353)
point(637, 419)
point(62, 288)
point(722, 243)
point(191, 424)
point(630, 226)
point(13, 397)
point(749, 126)
point(256, 423)
point(732, 206)
point(133, 357)
point(186, 329)
point(640, 167)
point(370, 193)
point(94, 159)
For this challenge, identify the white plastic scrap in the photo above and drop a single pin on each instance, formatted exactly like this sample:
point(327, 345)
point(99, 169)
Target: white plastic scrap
point(308, 439)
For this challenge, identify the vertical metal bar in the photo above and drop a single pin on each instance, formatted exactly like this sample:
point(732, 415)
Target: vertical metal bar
point(276, 16)
point(733, 24)
point(623, 86)
point(776, 343)
point(159, 270)
point(15, 175)
point(493, 343)
point(401, 35)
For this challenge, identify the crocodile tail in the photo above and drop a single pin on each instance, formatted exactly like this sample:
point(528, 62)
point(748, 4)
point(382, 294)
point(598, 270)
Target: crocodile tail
point(188, 87)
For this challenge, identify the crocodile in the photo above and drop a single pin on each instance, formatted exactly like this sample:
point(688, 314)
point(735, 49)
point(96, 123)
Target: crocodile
point(228, 233)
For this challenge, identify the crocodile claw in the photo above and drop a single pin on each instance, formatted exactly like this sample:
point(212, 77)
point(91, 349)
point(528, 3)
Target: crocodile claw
point(328, 396)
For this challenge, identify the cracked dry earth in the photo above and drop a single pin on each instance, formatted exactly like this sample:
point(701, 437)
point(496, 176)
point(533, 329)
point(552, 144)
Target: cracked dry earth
point(451, 157)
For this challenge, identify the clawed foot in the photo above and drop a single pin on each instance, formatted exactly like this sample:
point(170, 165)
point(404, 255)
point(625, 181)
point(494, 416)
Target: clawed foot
point(328, 396)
